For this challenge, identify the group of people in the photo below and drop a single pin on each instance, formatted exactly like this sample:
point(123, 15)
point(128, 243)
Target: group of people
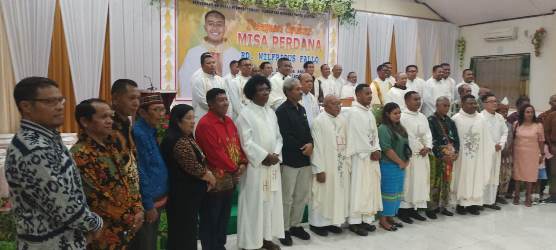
point(406, 145)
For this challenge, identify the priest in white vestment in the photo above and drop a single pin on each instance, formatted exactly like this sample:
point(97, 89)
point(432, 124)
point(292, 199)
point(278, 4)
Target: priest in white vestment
point(363, 149)
point(277, 96)
point(216, 43)
point(413, 82)
point(234, 71)
point(446, 72)
point(329, 204)
point(469, 79)
point(390, 79)
point(235, 92)
point(471, 171)
point(498, 132)
point(380, 86)
point(337, 77)
point(308, 100)
point(397, 92)
point(436, 87)
point(309, 68)
point(326, 82)
point(260, 211)
point(348, 90)
point(203, 82)
point(417, 174)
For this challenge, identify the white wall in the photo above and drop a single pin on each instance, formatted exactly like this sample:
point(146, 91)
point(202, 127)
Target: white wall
point(396, 7)
point(542, 82)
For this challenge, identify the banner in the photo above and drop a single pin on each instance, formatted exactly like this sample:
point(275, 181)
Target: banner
point(234, 32)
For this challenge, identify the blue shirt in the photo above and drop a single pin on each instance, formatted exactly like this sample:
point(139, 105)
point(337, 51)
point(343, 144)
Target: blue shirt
point(153, 174)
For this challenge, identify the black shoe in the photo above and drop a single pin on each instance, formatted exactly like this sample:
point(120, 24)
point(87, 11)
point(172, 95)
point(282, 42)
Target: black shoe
point(300, 233)
point(461, 210)
point(357, 229)
point(368, 227)
point(405, 219)
point(493, 207)
point(431, 214)
point(269, 245)
point(480, 208)
point(287, 240)
point(501, 200)
point(474, 210)
point(321, 231)
point(446, 212)
point(549, 200)
point(397, 224)
point(415, 215)
point(334, 229)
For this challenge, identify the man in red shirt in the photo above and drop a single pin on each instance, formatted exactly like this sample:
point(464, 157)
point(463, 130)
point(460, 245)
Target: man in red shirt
point(218, 138)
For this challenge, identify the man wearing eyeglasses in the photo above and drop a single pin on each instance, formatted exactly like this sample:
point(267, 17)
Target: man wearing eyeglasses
point(50, 207)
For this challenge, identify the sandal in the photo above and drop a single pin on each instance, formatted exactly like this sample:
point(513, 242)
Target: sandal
point(392, 228)
point(516, 199)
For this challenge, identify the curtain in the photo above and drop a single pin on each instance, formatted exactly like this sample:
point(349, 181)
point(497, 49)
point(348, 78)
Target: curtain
point(135, 41)
point(502, 75)
point(8, 110)
point(59, 71)
point(380, 38)
point(352, 42)
point(448, 36)
point(428, 40)
point(84, 28)
point(405, 31)
point(29, 29)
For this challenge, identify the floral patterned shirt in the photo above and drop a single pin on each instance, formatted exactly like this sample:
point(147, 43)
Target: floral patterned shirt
point(106, 170)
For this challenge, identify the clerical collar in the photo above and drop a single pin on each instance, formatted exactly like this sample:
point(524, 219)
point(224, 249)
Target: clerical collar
point(401, 87)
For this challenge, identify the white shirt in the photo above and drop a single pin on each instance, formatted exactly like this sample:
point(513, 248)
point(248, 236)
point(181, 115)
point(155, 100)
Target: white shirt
point(328, 86)
point(416, 85)
point(236, 96)
point(433, 90)
point(396, 95)
point(311, 105)
point(277, 96)
point(340, 82)
point(348, 91)
point(201, 84)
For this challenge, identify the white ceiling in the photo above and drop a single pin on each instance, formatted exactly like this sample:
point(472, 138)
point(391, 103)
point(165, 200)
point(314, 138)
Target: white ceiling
point(464, 12)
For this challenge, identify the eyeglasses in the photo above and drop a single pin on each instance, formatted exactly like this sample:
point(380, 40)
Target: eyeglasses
point(53, 101)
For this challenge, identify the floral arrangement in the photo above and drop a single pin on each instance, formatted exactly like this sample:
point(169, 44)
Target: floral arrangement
point(342, 9)
point(461, 50)
point(161, 128)
point(537, 40)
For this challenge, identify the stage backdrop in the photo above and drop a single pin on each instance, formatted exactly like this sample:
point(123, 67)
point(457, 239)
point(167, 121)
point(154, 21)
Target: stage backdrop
point(257, 34)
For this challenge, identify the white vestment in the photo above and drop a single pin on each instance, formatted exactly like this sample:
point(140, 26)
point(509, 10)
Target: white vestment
point(417, 174)
point(236, 96)
point(329, 200)
point(348, 91)
point(396, 95)
point(192, 61)
point(379, 89)
point(474, 89)
point(498, 132)
point(471, 173)
point(202, 83)
point(260, 211)
point(340, 82)
point(417, 85)
point(277, 96)
point(329, 86)
point(362, 139)
point(434, 89)
point(311, 105)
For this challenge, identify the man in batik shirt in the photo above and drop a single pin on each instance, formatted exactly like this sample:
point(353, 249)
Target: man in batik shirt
point(102, 161)
point(445, 149)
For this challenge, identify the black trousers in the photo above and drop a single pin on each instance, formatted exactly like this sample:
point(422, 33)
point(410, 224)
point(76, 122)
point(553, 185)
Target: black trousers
point(214, 215)
point(146, 238)
point(184, 203)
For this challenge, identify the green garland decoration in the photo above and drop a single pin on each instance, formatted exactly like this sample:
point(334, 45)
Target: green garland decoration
point(461, 50)
point(342, 9)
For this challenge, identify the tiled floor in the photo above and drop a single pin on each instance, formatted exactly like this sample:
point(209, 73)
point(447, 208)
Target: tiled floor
point(514, 227)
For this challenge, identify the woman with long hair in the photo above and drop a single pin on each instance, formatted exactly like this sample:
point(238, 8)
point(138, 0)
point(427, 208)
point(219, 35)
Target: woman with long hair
point(189, 178)
point(395, 158)
point(528, 151)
